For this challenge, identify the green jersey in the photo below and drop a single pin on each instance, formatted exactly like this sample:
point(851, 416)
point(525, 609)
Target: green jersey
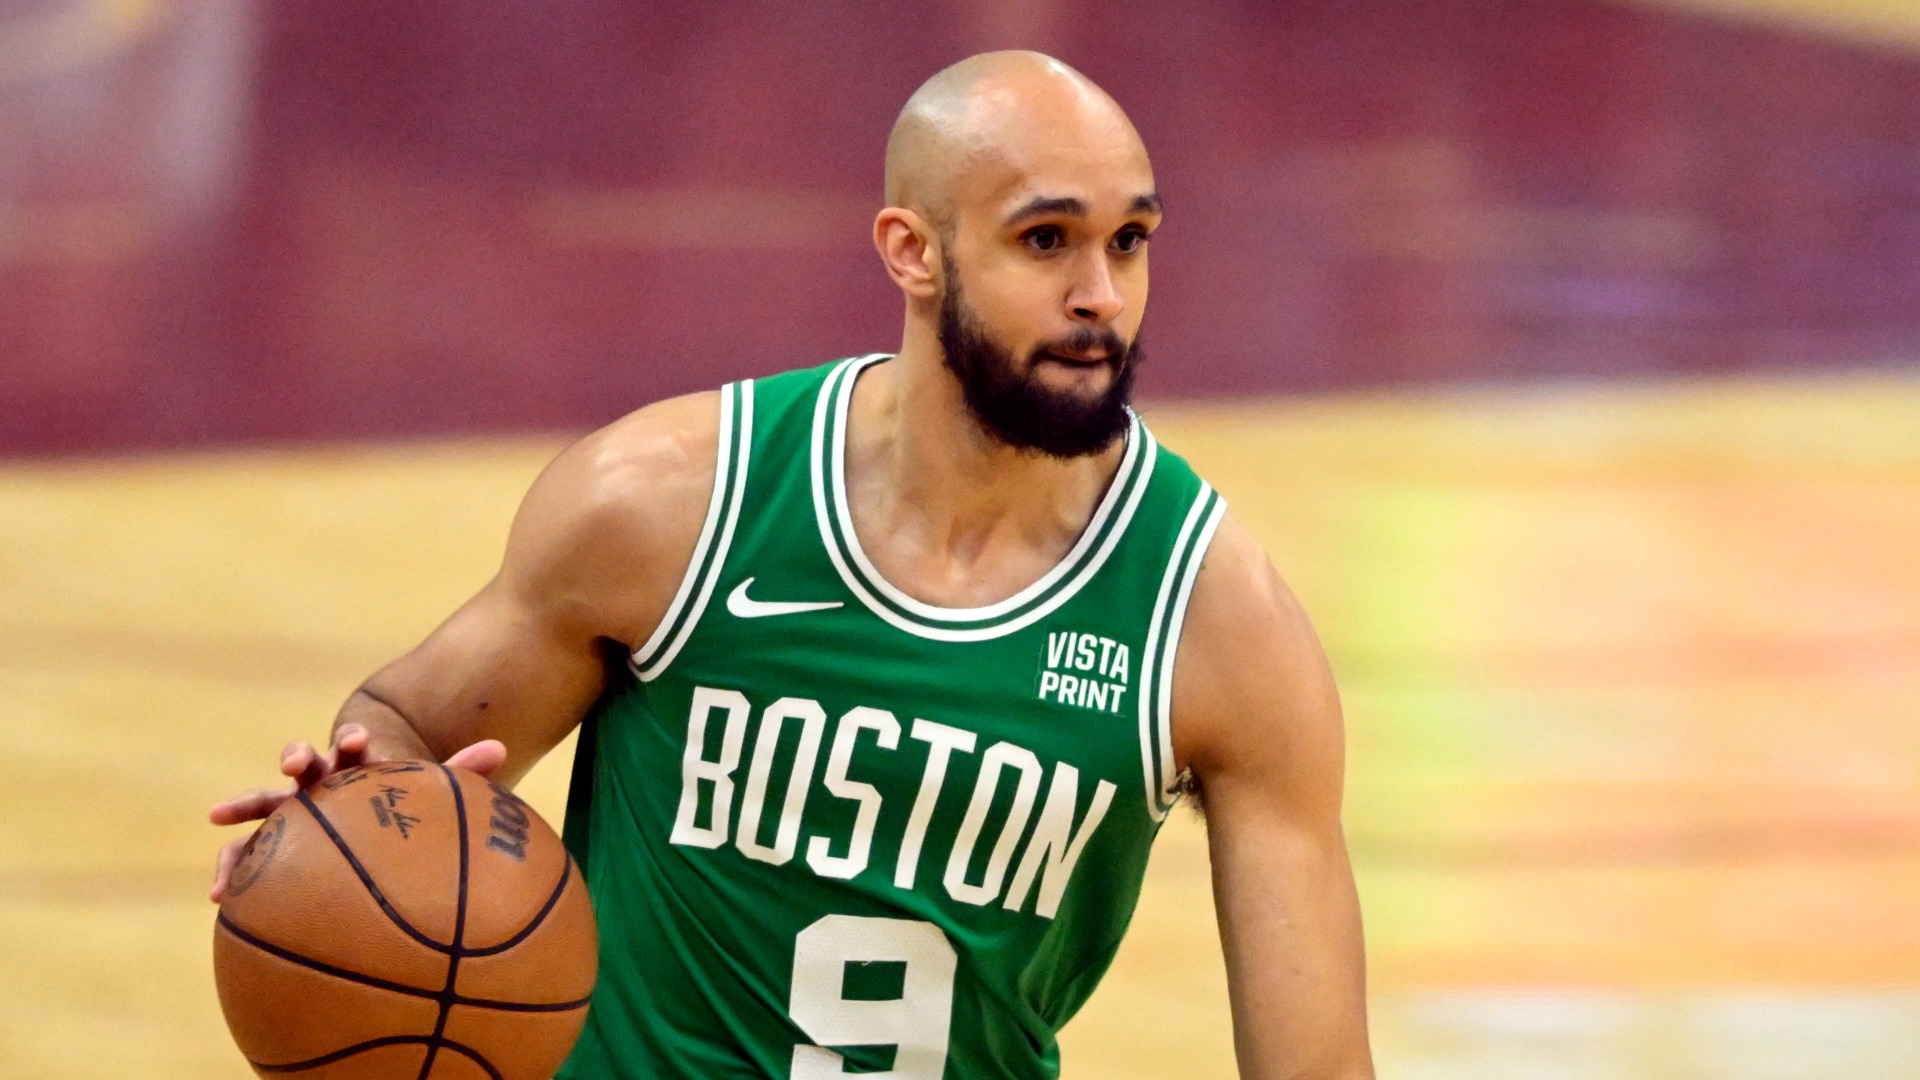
point(829, 828)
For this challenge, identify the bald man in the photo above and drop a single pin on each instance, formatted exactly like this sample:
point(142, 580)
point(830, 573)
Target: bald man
point(891, 669)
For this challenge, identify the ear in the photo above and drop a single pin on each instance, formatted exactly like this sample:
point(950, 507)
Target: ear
point(909, 245)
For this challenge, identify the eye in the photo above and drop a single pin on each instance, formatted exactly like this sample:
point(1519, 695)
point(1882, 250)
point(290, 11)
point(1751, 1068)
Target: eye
point(1130, 241)
point(1045, 238)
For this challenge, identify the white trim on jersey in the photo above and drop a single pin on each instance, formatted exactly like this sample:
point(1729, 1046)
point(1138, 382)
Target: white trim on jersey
point(828, 465)
point(1157, 664)
point(736, 448)
point(715, 503)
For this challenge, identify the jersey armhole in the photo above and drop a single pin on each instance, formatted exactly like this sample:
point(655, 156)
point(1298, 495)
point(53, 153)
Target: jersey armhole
point(1163, 645)
point(651, 659)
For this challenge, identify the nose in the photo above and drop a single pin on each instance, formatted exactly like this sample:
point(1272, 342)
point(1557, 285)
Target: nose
point(1094, 297)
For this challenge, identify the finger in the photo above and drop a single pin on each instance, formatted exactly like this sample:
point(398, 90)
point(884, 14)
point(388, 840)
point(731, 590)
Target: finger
point(350, 747)
point(484, 757)
point(249, 806)
point(302, 762)
point(223, 865)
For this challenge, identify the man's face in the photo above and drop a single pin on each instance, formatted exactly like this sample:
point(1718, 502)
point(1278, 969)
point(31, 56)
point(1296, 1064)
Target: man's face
point(1018, 407)
point(1044, 282)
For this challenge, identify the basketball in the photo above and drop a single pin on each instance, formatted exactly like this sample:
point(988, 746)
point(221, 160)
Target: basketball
point(405, 920)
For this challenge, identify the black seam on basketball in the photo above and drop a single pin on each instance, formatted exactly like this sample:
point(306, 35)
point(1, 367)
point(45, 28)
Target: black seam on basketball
point(566, 872)
point(366, 879)
point(523, 1006)
point(321, 966)
point(338, 1055)
point(476, 1057)
point(447, 995)
point(378, 983)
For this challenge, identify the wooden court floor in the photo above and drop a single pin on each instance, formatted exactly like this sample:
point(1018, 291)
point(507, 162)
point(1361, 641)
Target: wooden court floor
point(1632, 678)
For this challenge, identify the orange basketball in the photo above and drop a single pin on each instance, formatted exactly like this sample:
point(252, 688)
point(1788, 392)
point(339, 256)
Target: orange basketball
point(405, 920)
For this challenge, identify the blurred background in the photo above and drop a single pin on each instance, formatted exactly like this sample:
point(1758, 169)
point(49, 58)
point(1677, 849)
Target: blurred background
point(1564, 353)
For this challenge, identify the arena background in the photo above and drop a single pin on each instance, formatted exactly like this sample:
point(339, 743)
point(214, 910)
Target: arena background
point(1563, 352)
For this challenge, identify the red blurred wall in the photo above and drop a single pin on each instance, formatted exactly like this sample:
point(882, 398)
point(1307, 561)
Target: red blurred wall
point(238, 221)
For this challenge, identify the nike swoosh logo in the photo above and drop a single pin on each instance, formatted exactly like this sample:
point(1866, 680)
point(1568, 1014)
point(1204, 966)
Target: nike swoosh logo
point(742, 606)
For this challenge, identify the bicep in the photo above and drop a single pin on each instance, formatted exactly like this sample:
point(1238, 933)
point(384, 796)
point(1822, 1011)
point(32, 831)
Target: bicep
point(592, 559)
point(1290, 931)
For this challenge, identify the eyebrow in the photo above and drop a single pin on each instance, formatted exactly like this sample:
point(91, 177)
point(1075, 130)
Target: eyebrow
point(1068, 206)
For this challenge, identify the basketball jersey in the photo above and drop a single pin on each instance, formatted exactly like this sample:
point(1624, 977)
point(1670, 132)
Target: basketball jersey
point(829, 828)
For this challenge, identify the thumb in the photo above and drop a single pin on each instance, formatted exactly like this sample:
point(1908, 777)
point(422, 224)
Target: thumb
point(484, 757)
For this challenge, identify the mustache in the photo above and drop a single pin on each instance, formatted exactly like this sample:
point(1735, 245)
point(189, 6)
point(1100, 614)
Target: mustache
point(1086, 339)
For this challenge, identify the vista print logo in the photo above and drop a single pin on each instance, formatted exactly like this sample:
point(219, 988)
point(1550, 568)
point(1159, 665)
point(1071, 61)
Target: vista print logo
point(1086, 671)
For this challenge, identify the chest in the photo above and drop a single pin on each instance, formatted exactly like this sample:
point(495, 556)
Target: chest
point(846, 751)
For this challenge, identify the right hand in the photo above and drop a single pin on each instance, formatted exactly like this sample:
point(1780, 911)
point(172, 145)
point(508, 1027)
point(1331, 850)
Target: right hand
point(307, 767)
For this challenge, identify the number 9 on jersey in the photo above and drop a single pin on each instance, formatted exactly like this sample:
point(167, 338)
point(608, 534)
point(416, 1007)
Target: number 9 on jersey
point(916, 1023)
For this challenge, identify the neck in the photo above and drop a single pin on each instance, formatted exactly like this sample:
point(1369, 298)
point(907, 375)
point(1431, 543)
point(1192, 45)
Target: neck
point(926, 476)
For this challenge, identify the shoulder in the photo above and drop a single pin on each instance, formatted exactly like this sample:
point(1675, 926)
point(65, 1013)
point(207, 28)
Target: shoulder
point(605, 532)
point(648, 468)
point(1252, 688)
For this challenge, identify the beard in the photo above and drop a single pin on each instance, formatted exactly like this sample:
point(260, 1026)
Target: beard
point(1013, 405)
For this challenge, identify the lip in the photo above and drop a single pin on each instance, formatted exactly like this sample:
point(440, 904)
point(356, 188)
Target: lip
point(1077, 361)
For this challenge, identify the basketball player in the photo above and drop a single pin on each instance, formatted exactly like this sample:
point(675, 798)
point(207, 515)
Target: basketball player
point(891, 669)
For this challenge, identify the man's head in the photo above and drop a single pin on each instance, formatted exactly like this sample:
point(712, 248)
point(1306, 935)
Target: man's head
point(1019, 203)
